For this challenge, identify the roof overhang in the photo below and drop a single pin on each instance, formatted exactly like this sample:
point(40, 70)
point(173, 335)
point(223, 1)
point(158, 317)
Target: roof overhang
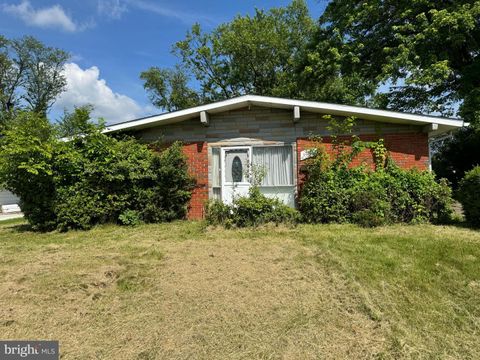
point(441, 125)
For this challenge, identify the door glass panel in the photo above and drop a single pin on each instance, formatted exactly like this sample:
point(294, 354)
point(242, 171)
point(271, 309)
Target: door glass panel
point(237, 169)
point(236, 165)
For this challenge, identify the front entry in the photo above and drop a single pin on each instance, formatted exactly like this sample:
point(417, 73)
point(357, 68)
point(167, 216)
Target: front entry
point(235, 170)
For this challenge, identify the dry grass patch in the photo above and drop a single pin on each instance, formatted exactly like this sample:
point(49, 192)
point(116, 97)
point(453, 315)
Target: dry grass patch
point(182, 291)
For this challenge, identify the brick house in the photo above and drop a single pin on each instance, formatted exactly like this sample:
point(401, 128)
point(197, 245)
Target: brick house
point(223, 139)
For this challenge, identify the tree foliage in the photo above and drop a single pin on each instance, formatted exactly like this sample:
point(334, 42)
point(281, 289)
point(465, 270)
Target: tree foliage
point(427, 49)
point(168, 89)
point(249, 55)
point(326, 71)
point(77, 122)
point(31, 75)
point(456, 155)
point(470, 196)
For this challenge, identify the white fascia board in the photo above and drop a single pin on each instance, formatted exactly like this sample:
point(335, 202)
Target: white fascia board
point(180, 115)
point(311, 106)
point(361, 112)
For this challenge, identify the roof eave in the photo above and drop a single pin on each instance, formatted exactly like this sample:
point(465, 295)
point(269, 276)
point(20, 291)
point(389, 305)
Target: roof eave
point(445, 124)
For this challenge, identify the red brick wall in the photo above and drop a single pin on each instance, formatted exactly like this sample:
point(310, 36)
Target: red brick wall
point(197, 159)
point(407, 150)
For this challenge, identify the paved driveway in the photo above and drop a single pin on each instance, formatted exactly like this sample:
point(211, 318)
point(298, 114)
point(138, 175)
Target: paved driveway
point(10, 216)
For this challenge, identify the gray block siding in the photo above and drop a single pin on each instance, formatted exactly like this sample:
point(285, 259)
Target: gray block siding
point(265, 124)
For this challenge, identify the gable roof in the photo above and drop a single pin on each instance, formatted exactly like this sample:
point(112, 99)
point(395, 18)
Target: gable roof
point(442, 124)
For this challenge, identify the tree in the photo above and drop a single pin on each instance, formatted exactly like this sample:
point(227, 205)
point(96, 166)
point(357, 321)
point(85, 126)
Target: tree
point(428, 50)
point(168, 89)
point(78, 122)
point(31, 75)
point(456, 155)
point(10, 80)
point(250, 55)
point(44, 78)
point(326, 71)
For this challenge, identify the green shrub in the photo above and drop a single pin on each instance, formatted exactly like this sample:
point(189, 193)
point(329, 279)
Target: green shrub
point(416, 196)
point(336, 192)
point(27, 149)
point(165, 195)
point(99, 177)
point(469, 196)
point(130, 218)
point(252, 210)
point(369, 205)
point(92, 178)
point(368, 218)
point(389, 195)
point(322, 200)
point(218, 213)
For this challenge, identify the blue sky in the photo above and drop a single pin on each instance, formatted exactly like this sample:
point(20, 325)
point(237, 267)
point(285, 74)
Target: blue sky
point(112, 41)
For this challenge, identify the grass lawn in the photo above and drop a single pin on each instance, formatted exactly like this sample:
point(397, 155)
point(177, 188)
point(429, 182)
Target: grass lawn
point(181, 291)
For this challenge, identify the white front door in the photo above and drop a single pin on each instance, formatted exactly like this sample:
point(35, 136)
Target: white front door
point(235, 170)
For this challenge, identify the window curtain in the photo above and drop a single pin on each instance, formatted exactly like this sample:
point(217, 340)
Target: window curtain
point(276, 164)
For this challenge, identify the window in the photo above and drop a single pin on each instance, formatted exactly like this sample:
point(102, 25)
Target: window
point(276, 164)
point(216, 182)
point(216, 167)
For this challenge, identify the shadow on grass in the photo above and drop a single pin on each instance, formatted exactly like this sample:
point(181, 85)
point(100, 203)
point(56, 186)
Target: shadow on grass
point(18, 225)
point(461, 223)
point(21, 228)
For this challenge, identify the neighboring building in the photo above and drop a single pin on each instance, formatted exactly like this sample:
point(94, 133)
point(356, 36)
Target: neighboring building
point(7, 199)
point(223, 139)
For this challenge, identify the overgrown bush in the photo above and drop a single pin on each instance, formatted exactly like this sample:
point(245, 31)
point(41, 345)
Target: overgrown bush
point(91, 178)
point(252, 210)
point(334, 191)
point(375, 197)
point(469, 196)
point(27, 150)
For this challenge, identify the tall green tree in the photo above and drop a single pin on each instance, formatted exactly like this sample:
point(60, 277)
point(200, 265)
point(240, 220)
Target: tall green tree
point(255, 54)
point(326, 71)
point(427, 50)
point(31, 75)
point(168, 89)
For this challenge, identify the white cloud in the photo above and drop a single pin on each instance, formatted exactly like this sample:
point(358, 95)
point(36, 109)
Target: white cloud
point(49, 17)
point(86, 87)
point(113, 9)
